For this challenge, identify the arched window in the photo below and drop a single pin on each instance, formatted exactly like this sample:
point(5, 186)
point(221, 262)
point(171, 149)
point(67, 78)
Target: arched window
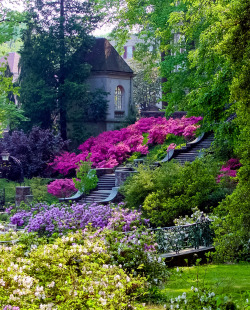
point(119, 94)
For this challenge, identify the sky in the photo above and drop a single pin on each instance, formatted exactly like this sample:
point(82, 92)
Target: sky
point(100, 31)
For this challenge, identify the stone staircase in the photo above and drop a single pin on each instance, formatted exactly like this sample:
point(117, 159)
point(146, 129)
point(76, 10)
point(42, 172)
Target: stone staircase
point(190, 152)
point(103, 190)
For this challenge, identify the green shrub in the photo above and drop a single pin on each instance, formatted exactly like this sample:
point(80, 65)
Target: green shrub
point(38, 188)
point(4, 217)
point(40, 192)
point(136, 252)
point(86, 178)
point(158, 152)
point(173, 190)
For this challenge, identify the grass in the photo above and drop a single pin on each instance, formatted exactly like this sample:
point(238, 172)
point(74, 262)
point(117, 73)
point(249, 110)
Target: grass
point(232, 280)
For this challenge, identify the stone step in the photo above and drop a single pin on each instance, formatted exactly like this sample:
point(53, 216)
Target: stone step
point(191, 153)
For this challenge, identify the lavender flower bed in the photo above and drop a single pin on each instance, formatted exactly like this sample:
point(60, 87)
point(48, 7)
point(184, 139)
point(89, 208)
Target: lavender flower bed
point(56, 218)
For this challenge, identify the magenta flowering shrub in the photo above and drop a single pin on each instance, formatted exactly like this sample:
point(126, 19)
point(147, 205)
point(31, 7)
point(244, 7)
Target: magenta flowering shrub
point(111, 148)
point(62, 188)
point(229, 169)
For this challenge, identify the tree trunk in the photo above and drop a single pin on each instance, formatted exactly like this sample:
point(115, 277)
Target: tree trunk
point(61, 99)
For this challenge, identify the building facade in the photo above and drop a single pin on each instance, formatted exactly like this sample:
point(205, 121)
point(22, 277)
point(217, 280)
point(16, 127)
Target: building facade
point(110, 73)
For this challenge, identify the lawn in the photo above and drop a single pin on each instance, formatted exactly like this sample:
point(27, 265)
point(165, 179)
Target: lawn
point(232, 280)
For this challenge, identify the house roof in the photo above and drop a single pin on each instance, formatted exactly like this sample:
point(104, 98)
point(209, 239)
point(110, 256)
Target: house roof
point(104, 58)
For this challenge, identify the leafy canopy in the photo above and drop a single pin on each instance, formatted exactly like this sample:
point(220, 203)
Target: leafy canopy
point(52, 77)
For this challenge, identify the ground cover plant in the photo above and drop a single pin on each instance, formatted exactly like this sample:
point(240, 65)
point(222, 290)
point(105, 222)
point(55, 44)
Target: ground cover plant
point(111, 148)
point(91, 265)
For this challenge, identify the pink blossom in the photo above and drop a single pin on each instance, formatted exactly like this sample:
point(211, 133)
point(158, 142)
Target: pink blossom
point(171, 146)
point(111, 148)
point(61, 188)
point(229, 170)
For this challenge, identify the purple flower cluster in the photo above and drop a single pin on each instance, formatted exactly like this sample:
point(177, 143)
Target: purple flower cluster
point(46, 219)
point(21, 218)
point(56, 219)
point(11, 308)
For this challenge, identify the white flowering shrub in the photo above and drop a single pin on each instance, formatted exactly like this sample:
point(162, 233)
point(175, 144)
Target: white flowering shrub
point(136, 252)
point(73, 272)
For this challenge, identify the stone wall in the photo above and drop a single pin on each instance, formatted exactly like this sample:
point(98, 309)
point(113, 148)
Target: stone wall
point(23, 193)
point(121, 176)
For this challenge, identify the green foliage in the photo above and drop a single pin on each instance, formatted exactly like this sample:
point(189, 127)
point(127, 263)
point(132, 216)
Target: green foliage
point(86, 178)
point(132, 252)
point(38, 188)
point(84, 107)
point(202, 49)
point(55, 82)
point(9, 113)
point(146, 86)
point(232, 228)
point(228, 282)
point(10, 190)
point(4, 217)
point(172, 190)
point(160, 151)
point(10, 236)
point(40, 192)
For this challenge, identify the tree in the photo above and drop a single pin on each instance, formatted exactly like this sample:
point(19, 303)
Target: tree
point(51, 78)
point(146, 88)
point(10, 115)
point(206, 46)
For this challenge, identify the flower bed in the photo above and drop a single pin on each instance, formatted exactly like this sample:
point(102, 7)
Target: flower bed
point(111, 148)
point(124, 231)
point(48, 219)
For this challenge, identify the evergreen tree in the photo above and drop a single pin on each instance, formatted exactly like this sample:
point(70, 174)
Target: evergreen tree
point(50, 78)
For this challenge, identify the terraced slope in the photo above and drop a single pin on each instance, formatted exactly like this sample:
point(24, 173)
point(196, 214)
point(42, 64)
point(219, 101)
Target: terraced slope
point(104, 188)
point(189, 153)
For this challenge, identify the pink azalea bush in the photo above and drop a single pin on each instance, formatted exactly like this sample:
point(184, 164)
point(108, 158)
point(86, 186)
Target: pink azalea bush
point(111, 148)
point(62, 188)
point(229, 169)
